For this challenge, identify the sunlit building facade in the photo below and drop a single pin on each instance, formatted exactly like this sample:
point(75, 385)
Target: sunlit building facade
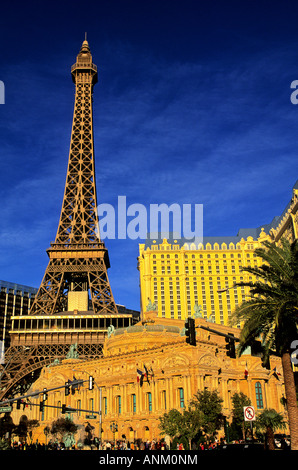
point(119, 408)
point(15, 299)
point(178, 276)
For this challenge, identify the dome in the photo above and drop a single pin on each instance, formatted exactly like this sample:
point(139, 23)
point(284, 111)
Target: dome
point(140, 337)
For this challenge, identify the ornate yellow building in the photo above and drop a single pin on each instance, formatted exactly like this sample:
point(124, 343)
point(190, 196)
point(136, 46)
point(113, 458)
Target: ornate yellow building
point(176, 277)
point(176, 371)
point(286, 226)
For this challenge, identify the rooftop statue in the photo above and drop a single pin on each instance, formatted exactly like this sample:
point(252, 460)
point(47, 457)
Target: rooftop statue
point(151, 307)
point(72, 353)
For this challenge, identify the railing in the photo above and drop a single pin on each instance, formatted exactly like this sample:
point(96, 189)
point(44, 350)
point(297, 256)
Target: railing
point(84, 65)
point(77, 246)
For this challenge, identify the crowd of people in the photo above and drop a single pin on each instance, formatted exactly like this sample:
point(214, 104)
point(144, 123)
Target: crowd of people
point(136, 445)
point(120, 445)
point(159, 444)
point(93, 445)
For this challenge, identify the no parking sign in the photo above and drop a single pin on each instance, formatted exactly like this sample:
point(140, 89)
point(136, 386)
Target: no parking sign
point(249, 413)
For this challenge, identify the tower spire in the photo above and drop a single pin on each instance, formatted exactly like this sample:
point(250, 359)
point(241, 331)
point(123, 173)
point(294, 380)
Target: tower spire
point(76, 276)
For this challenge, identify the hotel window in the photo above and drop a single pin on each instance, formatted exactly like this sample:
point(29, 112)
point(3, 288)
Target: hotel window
point(162, 292)
point(188, 297)
point(42, 414)
point(133, 403)
point(149, 402)
point(118, 404)
point(181, 397)
point(164, 400)
point(155, 290)
point(217, 267)
point(259, 395)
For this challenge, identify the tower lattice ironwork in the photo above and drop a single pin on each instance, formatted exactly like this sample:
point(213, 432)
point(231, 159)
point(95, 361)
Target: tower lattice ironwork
point(74, 303)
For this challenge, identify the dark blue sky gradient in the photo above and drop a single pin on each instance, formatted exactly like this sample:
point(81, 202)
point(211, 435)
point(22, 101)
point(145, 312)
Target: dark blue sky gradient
point(192, 106)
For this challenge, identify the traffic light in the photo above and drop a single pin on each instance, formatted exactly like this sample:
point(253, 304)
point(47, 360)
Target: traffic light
point(190, 331)
point(19, 404)
point(41, 406)
point(67, 388)
point(230, 347)
point(45, 395)
point(75, 384)
point(91, 382)
point(63, 409)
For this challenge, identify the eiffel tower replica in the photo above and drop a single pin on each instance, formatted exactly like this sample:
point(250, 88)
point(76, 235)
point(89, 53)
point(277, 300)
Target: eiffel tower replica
point(74, 305)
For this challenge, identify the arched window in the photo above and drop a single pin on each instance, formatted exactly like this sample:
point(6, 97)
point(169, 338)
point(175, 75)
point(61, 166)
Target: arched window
point(259, 395)
point(133, 403)
point(105, 405)
point(118, 404)
point(149, 402)
point(181, 397)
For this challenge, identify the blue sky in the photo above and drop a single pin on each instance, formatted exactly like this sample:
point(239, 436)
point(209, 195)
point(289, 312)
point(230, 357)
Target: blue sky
point(192, 106)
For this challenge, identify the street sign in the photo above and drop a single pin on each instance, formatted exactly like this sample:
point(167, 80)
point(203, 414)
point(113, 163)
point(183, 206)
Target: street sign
point(90, 416)
point(249, 413)
point(5, 409)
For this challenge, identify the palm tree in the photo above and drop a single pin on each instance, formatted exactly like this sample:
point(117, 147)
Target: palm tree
point(271, 314)
point(270, 421)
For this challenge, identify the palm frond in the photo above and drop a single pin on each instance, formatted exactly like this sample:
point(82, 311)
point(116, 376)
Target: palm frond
point(270, 311)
